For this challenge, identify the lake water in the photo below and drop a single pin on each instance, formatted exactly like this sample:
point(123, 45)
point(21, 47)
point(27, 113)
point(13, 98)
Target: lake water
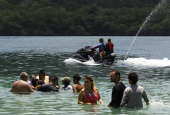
point(149, 57)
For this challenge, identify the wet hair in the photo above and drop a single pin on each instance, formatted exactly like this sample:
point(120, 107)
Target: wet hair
point(40, 82)
point(23, 75)
point(77, 77)
point(66, 83)
point(54, 79)
point(133, 77)
point(90, 79)
point(116, 73)
point(42, 71)
point(34, 82)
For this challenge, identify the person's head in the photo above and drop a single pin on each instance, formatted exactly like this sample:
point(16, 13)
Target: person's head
point(40, 82)
point(54, 80)
point(42, 75)
point(32, 77)
point(65, 81)
point(101, 40)
point(24, 76)
point(115, 76)
point(109, 40)
point(76, 78)
point(133, 78)
point(89, 82)
point(34, 82)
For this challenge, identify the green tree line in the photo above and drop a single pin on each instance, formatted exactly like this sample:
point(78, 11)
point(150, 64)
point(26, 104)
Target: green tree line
point(82, 18)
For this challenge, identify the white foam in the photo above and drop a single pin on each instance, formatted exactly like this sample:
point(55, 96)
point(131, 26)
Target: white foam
point(74, 61)
point(143, 62)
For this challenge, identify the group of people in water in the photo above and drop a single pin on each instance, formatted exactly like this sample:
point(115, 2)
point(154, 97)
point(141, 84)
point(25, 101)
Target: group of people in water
point(130, 97)
point(88, 93)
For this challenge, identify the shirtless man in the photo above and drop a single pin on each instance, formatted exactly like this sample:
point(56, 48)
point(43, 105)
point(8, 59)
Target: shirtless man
point(21, 86)
point(77, 87)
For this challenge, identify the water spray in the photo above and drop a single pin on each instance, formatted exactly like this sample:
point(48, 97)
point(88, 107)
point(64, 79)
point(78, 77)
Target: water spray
point(144, 23)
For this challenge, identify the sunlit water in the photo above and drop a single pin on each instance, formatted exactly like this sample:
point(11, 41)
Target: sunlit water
point(149, 57)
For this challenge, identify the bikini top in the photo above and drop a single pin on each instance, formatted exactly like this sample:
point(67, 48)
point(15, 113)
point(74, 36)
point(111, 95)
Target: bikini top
point(88, 98)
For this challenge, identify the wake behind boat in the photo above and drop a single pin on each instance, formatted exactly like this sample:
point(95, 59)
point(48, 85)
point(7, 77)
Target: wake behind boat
point(86, 53)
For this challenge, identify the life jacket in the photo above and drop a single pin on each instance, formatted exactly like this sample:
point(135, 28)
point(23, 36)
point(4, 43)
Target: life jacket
point(102, 48)
point(111, 46)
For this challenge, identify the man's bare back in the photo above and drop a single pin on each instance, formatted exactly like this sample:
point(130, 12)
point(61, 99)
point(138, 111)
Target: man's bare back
point(21, 86)
point(77, 87)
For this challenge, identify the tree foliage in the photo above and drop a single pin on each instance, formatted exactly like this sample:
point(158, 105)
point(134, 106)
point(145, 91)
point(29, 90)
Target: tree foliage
point(82, 18)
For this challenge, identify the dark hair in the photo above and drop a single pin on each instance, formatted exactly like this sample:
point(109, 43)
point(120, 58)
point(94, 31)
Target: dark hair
point(54, 79)
point(116, 73)
point(133, 77)
point(109, 39)
point(66, 83)
point(76, 76)
point(31, 76)
point(40, 82)
point(42, 71)
point(34, 82)
point(101, 40)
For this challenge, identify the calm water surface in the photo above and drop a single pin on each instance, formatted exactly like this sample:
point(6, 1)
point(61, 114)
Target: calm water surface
point(149, 57)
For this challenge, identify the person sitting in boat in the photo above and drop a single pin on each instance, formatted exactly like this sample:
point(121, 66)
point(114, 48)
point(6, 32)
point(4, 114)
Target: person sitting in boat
point(101, 47)
point(109, 47)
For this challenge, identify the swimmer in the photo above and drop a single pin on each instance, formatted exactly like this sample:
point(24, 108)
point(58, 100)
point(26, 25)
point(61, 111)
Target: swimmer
point(51, 87)
point(133, 95)
point(43, 77)
point(90, 94)
point(21, 86)
point(31, 78)
point(117, 90)
point(66, 82)
point(57, 85)
point(77, 87)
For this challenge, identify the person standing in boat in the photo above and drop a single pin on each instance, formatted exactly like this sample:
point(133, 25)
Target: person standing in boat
point(77, 86)
point(89, 94)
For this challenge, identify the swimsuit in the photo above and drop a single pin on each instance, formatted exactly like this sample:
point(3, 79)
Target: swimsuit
point(88, 98)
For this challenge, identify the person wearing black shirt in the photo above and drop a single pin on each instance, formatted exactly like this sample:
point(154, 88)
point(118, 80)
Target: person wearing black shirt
point(51, 87)
point(117, 90)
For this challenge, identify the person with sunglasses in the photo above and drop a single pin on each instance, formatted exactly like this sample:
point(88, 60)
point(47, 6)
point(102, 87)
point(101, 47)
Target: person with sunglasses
point(89, 94)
